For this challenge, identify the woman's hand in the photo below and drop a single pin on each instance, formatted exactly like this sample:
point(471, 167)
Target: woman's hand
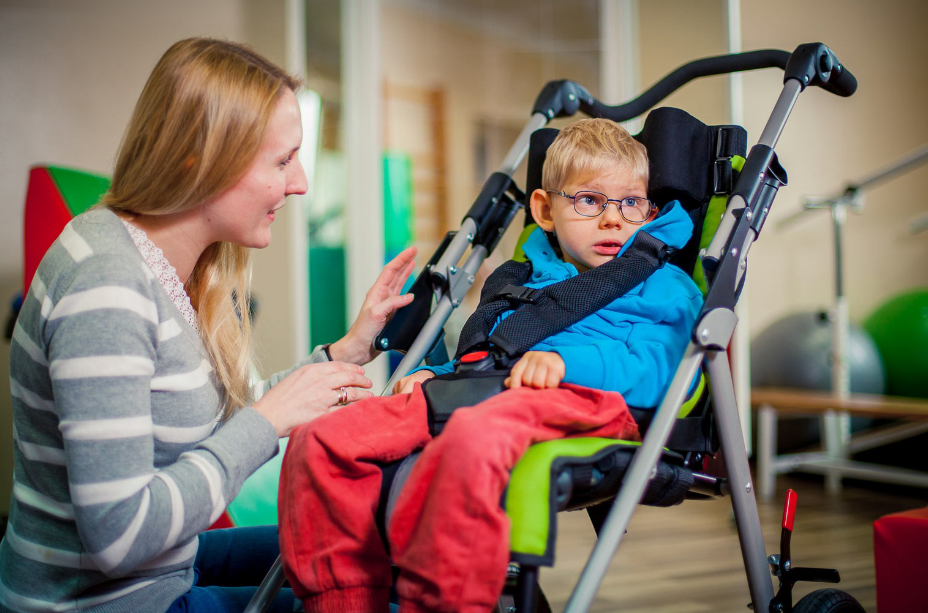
point(538, 369)
point(382, 300)
point(311, 391)
point(407, 383)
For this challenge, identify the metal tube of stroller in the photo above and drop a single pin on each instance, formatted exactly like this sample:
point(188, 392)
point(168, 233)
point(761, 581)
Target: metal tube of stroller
point(458, 286)
point(268, 589)
point(469, 228)
point(743, 501)
point(640, 472)
point(520, 147)
point(781, 110)
point(456, 248)
point(771, 134)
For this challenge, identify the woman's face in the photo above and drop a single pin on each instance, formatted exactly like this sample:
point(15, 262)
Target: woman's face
point(244, 212)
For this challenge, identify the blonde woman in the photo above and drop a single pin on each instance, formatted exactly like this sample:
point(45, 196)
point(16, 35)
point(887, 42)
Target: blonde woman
point(134, 420)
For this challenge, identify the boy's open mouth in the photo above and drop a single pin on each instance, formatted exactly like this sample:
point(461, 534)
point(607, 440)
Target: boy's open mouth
point(607, 247)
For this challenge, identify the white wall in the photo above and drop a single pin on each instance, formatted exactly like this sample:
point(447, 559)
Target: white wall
point(830, 141)
point(70, 73)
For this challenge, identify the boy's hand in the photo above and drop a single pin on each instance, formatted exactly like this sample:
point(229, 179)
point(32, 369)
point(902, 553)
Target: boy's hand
point(538, 369)
point(406, 384)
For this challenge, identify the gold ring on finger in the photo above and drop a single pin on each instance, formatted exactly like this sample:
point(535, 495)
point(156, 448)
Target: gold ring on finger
point(342, 396)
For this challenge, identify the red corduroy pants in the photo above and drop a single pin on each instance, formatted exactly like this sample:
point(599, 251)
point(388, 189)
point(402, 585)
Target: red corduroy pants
point(448, 534)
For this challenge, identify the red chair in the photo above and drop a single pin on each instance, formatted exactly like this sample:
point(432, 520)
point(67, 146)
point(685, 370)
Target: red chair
point(900, 548)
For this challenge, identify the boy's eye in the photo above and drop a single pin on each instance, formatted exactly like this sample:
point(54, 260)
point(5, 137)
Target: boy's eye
point(586, 200)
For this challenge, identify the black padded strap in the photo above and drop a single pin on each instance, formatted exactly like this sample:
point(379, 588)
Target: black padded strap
point(477, 328)
point(562, 304)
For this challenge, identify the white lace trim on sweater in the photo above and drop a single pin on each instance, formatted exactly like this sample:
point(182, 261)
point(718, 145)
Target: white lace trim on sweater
point(164, 272)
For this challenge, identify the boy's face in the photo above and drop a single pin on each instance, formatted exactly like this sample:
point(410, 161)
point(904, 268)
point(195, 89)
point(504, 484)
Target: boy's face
point(588, 242)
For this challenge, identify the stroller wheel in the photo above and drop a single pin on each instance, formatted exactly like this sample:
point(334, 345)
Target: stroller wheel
point(829, 600)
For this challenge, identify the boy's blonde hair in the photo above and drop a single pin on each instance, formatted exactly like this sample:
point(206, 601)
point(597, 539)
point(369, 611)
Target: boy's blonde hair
point(590, 147)
point(196, 129)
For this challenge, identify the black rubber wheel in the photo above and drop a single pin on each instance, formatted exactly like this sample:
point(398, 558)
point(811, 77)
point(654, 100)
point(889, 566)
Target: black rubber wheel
point(829, 600)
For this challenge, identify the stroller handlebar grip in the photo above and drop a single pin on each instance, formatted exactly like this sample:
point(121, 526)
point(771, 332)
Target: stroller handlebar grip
point(816, 64)
point(842, 82)
point(564, 98)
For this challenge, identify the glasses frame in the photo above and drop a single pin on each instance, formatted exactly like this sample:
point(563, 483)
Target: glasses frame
point(618, 204)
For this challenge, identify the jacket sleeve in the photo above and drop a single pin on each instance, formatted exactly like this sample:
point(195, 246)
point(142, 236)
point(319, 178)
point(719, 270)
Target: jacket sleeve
point(641, 367)
point(101, 340)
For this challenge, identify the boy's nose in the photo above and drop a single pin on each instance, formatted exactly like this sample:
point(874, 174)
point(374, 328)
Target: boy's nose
point(611, 216)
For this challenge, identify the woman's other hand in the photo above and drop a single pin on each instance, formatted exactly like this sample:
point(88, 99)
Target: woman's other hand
point(538, 369)
point(311, 391)
point(407, 383)
point(382, 300)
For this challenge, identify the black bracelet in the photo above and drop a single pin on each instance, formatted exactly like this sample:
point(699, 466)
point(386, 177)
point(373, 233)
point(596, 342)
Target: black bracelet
point(325, 350)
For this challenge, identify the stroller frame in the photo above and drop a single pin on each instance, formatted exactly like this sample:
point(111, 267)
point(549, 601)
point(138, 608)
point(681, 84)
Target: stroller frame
point(725, 263)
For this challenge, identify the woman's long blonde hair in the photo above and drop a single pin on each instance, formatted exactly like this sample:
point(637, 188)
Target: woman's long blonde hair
point(196, 129)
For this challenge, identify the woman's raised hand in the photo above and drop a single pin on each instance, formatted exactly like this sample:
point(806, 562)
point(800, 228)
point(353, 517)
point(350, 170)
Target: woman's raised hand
point(382, 300)
point(311, 391)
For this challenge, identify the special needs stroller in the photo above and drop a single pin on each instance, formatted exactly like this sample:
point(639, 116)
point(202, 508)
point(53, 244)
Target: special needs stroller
point(728, 196)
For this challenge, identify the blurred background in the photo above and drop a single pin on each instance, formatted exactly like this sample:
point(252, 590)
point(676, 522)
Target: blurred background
point(410, 104)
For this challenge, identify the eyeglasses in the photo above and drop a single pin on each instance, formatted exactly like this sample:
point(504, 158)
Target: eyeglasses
point(592, 204)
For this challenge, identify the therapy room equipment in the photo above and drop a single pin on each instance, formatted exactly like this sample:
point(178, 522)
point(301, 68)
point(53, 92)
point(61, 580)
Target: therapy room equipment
point(728, 196)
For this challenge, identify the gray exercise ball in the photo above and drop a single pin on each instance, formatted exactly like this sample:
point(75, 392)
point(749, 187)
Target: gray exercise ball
point(795, 351)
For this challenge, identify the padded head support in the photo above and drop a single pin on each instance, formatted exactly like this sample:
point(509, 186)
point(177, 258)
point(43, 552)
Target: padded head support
point(682, 157)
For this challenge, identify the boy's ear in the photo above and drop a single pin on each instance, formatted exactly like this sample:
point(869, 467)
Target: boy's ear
point(540, 202)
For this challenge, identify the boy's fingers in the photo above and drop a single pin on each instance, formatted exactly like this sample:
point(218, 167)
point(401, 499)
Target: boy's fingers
point(553, 379)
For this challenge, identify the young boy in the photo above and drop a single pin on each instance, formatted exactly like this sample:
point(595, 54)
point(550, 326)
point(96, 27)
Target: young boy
point(448, 533)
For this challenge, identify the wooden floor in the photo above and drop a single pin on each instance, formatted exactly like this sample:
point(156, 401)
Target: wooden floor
point(687, 558)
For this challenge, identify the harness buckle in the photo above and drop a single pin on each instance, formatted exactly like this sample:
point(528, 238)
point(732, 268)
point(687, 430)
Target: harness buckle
point(518, 293)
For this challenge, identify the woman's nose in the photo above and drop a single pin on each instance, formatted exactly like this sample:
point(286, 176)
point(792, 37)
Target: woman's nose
point(297, 183)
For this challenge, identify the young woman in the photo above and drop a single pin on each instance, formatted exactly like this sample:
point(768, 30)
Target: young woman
point(134, 414)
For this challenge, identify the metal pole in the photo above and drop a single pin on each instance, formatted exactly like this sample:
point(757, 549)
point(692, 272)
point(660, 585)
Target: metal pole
point(636, 480)
point(436, 321)
point(268, 589)
point(837, 426)
point(743, 502)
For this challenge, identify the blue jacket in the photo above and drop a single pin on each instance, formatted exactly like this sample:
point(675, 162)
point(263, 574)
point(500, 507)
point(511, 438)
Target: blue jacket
point(633, 345)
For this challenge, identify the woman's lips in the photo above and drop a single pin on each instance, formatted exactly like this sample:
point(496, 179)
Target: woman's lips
point(607, 248)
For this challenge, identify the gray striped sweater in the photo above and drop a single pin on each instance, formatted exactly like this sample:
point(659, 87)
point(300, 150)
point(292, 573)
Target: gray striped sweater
point(119, 459)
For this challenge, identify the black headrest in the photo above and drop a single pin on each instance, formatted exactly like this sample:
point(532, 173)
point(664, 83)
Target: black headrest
point(682, 155)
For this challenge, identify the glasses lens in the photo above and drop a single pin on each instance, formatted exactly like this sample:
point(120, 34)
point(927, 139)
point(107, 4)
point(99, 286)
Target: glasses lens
point(589, 204)
point(636, 209)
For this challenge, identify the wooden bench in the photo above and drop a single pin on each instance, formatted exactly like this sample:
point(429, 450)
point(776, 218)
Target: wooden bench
point(833, 461)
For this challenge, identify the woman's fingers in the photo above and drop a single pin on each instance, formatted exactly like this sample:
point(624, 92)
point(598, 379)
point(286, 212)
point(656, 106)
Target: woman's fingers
point(381, 312)
point(355, 394)
point(395, 273)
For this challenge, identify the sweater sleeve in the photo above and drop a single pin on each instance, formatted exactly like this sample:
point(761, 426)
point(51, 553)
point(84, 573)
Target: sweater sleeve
point(641, 366)
point(260, 387)
point(101, 339)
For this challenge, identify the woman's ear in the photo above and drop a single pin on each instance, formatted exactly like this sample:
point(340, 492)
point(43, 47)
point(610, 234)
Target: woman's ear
point(540, 202)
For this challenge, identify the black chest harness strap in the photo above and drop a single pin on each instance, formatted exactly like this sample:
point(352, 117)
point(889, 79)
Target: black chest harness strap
point(546, 311)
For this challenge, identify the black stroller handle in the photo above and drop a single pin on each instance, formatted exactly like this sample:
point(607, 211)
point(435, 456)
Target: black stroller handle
point(816, 64)
point(810, 64)
point(553, 101)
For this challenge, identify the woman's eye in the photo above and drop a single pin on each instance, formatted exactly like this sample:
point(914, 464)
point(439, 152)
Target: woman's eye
point(287, 160)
